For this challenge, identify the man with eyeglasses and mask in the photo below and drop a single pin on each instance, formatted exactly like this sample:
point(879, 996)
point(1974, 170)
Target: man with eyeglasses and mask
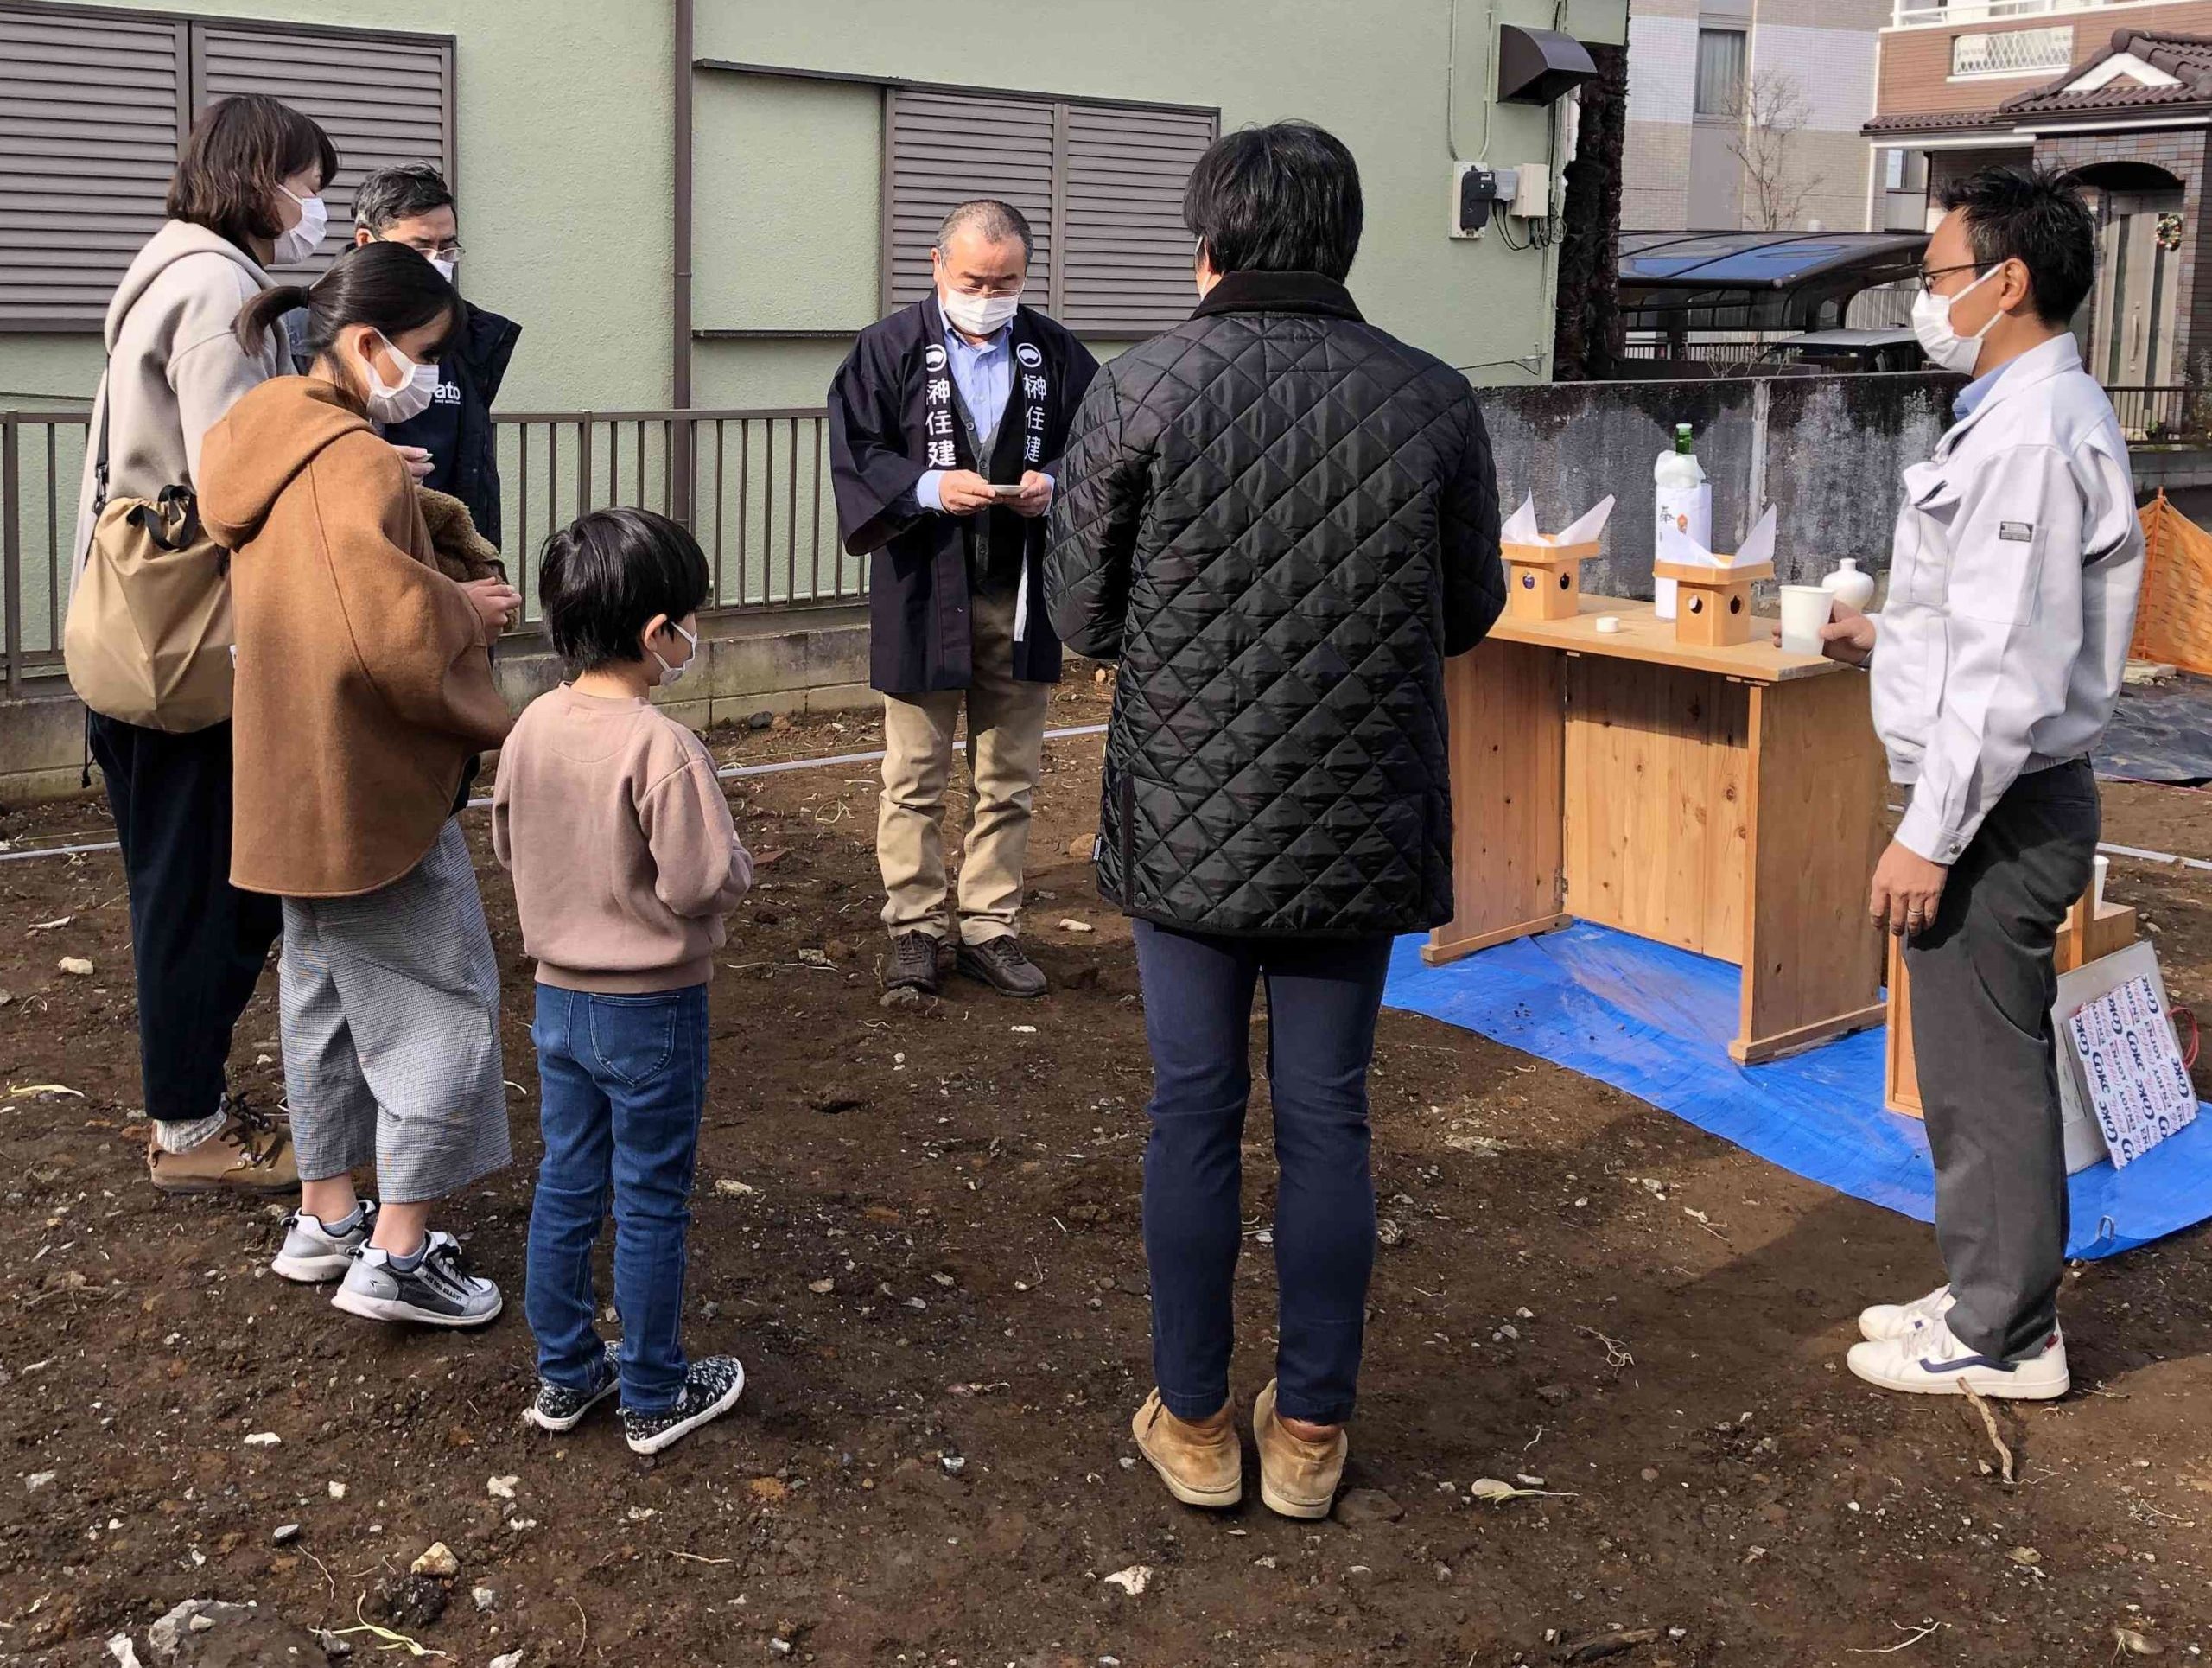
point(1995, 666)
point(448, 443)
point(946, 425)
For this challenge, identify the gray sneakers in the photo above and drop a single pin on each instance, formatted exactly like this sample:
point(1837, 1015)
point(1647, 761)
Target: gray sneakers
point(437, 1290)
point(312, 1253)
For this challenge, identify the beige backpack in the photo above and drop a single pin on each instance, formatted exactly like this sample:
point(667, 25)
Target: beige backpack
point(148, 640)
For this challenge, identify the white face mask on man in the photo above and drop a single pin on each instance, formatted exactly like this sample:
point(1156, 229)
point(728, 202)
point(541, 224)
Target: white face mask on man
point(409, 397)
point(978, 316)
point(1944, 345)
point(299, 242)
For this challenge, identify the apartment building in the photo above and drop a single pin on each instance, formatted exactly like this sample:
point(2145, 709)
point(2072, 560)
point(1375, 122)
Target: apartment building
point(2124, 101)
point(1747, 114)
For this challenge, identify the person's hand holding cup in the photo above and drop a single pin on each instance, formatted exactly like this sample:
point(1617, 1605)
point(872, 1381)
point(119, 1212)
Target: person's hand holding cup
point(1814, 621)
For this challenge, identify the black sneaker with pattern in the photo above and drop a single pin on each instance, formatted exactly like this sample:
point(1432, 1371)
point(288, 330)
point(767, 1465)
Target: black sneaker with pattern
point(1001, 963)
point(912, 965)
point(710, 1389)
point(559, 1408)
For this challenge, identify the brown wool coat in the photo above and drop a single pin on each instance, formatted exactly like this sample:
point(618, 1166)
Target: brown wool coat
point(363, 685)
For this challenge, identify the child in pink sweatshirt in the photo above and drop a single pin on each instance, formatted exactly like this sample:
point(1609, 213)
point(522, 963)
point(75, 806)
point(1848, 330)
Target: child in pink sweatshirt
point(625, 861)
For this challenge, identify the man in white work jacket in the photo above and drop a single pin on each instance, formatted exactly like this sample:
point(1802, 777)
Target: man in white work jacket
point(1995, 663)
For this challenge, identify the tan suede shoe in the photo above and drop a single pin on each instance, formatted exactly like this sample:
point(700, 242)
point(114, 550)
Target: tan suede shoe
point(1202, 1465)
point(252, 1153)
point(1298, 1479)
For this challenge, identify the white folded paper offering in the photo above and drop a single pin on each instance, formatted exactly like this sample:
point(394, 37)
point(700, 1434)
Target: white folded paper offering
point(1675, 545)
point(1520, 527)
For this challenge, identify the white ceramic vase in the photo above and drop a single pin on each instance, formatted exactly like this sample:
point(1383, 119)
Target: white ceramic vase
point(1849, 586)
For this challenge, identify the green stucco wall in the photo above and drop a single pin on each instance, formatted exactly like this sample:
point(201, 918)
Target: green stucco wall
point(565, 110)
point(1373, 71)
point(565, 175)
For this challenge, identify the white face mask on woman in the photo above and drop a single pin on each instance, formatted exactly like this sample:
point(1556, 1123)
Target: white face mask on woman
point(298, 242)
point(409, 397)
point(1945, 346)
point(979, 315)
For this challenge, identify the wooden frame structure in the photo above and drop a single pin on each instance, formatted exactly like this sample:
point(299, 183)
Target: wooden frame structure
point(1544, 581)
point(2092, 932)
point(1725, 799)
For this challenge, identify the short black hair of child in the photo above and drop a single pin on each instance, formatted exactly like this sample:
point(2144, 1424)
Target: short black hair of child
point(602, 577)
point(2037, 217)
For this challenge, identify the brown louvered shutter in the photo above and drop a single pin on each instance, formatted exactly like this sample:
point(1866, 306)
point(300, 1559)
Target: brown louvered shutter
point(382, 99)
point(1127, 257)
point(88, 139)
point(946, 148)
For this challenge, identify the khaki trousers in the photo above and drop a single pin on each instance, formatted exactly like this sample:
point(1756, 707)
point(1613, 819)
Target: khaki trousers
point(1006, 732)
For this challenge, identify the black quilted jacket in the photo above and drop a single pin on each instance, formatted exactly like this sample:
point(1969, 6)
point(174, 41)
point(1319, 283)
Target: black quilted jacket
point(1279, 520)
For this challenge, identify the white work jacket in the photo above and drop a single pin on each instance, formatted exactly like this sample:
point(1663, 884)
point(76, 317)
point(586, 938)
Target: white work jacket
point(2013, 577)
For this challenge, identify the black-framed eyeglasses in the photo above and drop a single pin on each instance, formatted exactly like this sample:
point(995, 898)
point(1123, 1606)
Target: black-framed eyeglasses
point(1929, 276)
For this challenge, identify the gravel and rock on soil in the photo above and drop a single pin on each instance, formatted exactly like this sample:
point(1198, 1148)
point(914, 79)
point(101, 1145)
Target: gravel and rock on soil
point(920, 1231)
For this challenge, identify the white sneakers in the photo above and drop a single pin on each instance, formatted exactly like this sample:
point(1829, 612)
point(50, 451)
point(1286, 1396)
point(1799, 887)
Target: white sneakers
point(1885, 1321)
point(1910, 1347)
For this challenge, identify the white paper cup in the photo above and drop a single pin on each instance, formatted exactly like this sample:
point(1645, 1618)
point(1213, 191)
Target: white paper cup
point(1805, 609)
point(2103, 866)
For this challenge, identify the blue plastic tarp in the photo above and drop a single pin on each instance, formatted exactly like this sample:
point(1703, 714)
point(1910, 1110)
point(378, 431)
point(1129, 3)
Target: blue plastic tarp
point(1654, 1022)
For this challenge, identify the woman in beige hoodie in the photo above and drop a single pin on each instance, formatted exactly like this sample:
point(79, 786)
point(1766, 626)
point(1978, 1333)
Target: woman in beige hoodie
point(244, 196)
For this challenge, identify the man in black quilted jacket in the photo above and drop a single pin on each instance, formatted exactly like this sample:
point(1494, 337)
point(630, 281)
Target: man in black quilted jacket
point(1279, 520)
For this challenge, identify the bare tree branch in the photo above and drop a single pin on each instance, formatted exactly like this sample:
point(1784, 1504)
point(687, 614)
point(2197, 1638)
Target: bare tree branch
point(1771, 113)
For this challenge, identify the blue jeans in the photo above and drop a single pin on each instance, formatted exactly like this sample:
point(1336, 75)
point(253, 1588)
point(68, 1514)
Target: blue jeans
point(1323, 995)
point(622, 1081)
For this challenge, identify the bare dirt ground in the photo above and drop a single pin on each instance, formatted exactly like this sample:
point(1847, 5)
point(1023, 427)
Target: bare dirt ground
point(921, 1234)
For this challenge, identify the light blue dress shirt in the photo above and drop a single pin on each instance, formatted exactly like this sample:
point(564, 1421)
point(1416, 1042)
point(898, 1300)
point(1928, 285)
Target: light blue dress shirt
point(984, 376)
point(1963, 405)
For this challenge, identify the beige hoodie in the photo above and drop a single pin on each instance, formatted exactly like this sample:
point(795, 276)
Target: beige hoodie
point(175, 367)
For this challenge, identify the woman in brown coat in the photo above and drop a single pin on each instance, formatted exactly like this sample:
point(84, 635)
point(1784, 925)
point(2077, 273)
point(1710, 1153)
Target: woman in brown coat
point(364, 692)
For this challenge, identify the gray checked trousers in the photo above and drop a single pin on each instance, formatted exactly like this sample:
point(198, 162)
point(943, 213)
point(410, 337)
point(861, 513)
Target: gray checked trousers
point(390, 1005)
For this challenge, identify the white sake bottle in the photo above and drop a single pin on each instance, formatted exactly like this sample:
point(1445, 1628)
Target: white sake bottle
point(1849, 586)
point(1683, 499)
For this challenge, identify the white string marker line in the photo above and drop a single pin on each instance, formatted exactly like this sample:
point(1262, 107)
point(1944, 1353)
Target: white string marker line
point(775, 768)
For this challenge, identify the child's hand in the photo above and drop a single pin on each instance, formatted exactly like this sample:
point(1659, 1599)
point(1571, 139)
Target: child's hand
point(496, 601)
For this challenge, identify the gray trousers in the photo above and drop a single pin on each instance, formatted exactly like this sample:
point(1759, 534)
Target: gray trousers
point(1982, 989)
point(391, 1009)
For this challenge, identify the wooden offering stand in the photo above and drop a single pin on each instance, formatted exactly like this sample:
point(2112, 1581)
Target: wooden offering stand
point(1712, 606)
point(2088, 934)
point(1726, 800)
point(1544, 581)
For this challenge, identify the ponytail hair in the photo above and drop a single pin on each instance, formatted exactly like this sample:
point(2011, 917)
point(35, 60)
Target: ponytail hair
point(386, 286)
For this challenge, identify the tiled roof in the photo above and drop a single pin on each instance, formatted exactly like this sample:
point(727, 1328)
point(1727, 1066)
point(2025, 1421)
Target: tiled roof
point(1939, 121)
point(2188, 58)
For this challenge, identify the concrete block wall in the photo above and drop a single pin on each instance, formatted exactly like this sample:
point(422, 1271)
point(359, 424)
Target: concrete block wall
point(814, 661)
point(1827, 452)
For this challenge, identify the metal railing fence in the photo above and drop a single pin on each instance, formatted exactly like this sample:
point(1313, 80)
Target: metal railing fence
point(753, 486)
point(2170, 413)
